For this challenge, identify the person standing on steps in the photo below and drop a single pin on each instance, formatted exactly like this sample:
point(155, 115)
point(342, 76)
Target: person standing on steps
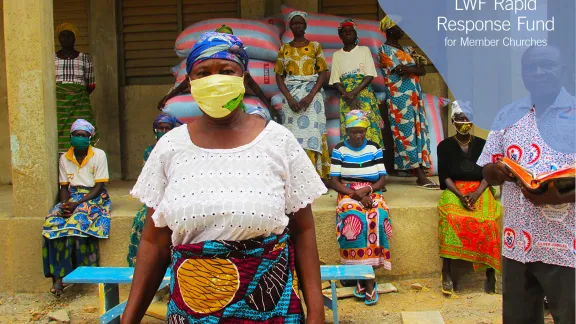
point(300, 73)
point(469, 214)
point(74, 84)
point(402, 68)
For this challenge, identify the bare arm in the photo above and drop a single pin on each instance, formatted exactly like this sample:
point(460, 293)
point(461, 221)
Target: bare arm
point(496, 174)
point(339, 187)
point(303, 235)
point(96, 190)
point(153, 260)
point(283, 88)
point(365, 82)
point(319, 83)
point(64, 194)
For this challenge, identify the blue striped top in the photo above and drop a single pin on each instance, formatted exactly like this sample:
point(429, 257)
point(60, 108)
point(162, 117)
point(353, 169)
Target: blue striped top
point(357, 164)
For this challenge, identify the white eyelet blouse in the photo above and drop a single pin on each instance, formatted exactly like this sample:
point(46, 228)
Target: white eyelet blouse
point(227, 194)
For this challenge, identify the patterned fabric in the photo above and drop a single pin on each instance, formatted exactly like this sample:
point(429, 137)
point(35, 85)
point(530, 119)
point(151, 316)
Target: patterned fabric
point(310, 125)
point(72, 103)
point(66, 26)
point(534, 233)
point(301, 61)
point(297, 13)
point(251, 281)
point(370, 106)
point(386, 23)
point(321, 160)
point(212, 45)
point(347, 23)
point(62, 255)
point(356, 118)
point(91, 218)
point(82, 125)
point(472, 236)
point(363, 234)
point(137, 224)
point(406, 111)
point(364, 163)
point(79, 70)
point(225, 30)
point(462, 107)
point(165, 118)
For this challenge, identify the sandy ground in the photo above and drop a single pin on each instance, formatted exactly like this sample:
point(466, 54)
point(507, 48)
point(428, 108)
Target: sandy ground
point(471, 306)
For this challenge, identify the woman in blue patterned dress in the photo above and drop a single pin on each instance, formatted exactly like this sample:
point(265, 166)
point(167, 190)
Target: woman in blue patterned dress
point(402, 68)
point(73, 227)
point(162, 125)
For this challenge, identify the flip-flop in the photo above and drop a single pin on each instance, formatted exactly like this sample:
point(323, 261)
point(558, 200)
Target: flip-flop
point(447, 287)
point(374, 295)
point(429, 186)
point(359, 291)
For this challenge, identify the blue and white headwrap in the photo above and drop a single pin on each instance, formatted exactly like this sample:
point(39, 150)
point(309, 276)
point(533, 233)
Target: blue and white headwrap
point(212, 45)
point(82, 125)
point(464, 107)
point(165, 118)
point(295, 14)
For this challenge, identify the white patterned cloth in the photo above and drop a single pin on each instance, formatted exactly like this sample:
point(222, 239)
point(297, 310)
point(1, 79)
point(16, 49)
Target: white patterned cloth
point(227, 194)
point(307, 126)
point(79, 70)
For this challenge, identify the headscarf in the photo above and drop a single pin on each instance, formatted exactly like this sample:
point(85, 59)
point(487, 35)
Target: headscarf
point(459, 106)
point(386, 23)
point(347, 23)
point(225, 30)
point(165, 118)
point(212, 45)
point(295, 14)
point(66, 26)
point(83, 125)
point(356, 118)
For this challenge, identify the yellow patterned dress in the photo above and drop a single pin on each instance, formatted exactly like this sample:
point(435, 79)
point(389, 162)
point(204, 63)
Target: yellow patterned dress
point(300, 67)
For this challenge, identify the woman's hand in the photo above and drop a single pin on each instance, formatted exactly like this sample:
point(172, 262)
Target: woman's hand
point(402, 71)
point(360, 193)
point(366, 202)
point(293, 104)
point(473, 197)
point(162, 103)
point(496, 174)
point(465, 202)
point(305, 102)
point(315, 317)
point(550, 197)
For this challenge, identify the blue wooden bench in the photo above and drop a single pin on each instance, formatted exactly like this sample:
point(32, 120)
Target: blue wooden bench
point(108, 279)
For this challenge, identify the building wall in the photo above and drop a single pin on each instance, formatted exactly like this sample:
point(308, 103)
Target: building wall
point(5, 170)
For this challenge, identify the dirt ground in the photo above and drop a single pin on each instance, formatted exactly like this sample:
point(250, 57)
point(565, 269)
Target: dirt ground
point(471, 306)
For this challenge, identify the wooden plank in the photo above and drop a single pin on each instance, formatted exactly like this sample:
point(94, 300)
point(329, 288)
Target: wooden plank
point(137, 46)
point(146, 37)
point(150, 80)
point(149, 11)
point(155, 62)
point(352, 10)
point(210, 2)
point(150, 28)
point(346, 292)
point(131, 55)
point(148, 71)
point(336, 3)
point(147, 3)
point(192, 18)
point(362, 16)
point(202, 8)
point(141, 20)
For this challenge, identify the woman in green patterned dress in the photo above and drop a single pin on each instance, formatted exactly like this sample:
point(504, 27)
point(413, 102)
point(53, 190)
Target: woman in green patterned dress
point(352, 71)
point(162, 125)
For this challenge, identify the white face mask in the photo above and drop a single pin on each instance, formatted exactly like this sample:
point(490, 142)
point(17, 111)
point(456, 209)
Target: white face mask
point(218, 95)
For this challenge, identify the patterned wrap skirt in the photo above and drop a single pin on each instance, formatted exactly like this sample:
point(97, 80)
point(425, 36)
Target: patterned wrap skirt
point(91, 218)
point(472, 236)
point(72, 102)
point(250, 281)
point(364, 234)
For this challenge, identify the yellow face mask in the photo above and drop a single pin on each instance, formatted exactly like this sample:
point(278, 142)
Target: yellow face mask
point(218, 95)
point(463, 127)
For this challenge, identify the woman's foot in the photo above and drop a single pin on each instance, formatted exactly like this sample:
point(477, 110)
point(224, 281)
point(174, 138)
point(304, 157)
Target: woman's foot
point(423, 182)
point(359, 291)
point(371, 293)
point(57, 287)
point(447, 284)
point(490, 282)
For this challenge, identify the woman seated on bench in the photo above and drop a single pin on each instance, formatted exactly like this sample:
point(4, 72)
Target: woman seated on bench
point(73, 227)
point(362, 224)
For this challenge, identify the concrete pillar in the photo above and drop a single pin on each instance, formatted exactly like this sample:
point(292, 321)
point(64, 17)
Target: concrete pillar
point(29, 47)
point(5, 168)
point(105, 99)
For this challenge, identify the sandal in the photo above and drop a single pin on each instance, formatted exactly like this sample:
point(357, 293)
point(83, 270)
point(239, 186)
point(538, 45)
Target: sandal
point(447, 286)
point(359, 291)
point(429, 186)
point(373, 296)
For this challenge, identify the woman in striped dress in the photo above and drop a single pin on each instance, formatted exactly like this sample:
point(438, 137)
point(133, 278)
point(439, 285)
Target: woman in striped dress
point(363, 227)
point(74, 84)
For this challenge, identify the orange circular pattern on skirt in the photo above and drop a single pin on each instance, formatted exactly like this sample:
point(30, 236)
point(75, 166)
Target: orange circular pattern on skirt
point(208, 285)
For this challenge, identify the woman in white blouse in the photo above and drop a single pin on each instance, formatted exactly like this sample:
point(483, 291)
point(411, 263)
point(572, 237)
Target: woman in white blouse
point(223, 192)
